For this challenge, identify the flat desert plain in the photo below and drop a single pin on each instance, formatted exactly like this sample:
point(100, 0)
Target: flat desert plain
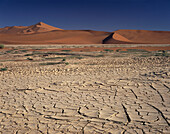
point(102, 89)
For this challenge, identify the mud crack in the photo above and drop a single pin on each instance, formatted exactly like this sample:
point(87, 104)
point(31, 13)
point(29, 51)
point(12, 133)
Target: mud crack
point(126, 113)
point(160, 112)
point(158, 93)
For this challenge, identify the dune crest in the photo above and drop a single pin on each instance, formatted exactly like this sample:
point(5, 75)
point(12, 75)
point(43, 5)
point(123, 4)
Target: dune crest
point(39, 27)
point(117, 36)
point(140, 36)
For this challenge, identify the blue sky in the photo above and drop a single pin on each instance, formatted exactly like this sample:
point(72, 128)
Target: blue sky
point(101, 15)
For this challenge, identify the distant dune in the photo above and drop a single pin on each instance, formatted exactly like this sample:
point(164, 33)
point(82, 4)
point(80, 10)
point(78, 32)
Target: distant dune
point(139, 36)
point(42, 33)
point(37, 28)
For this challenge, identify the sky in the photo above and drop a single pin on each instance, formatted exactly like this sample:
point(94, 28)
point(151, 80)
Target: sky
point(100, 15)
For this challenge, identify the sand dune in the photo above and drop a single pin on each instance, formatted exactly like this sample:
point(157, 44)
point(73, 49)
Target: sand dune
point(39, 27)
point(42, 33)
point(110, 40)
point(139, 36)
point(56, 37)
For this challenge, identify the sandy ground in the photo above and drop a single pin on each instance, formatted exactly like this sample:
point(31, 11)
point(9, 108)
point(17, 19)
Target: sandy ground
point(108, 94)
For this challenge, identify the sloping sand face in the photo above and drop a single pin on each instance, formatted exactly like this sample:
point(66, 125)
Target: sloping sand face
point(140, 36)
point(39, 27)
point(89, 95)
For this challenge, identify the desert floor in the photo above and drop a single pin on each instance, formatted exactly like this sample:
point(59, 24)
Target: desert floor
point(67, 91)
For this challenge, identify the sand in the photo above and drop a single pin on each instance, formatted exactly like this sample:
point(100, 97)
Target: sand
point(55, 37)
point(114, 93)
point(37, 28)
point(139, 36)
point(42, 33)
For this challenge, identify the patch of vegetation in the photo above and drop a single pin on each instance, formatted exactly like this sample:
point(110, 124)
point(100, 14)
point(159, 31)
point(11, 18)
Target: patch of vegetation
point(37, 52)
point(37, 49)
point(28, 54)
point(91, 64)
point(158, 53)
point(1, 46)
point(51, 63)
point(9, 51)
point(108, 50)
point(122, 55)
point(64, 59)
point(162, 53)
point(15, 52)
point(29, 59)
point(101, 55)
point(124, 52)
point(23, 51)
point(118, 50)
point(137, 50)
point(53, 58)
point(54, 63)
point(66, 63)
point(146, 55)
point(79, 58)
point(3, 69)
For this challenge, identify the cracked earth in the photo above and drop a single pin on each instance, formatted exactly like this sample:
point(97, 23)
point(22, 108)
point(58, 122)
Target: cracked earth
point(97, 95)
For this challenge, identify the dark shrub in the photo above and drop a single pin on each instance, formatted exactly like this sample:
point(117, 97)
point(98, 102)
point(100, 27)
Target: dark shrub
point(1, 46)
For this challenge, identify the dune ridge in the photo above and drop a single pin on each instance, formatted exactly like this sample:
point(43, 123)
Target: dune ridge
point(56, 37)
point(42, 33)
point(140, 36)
point(39, 27)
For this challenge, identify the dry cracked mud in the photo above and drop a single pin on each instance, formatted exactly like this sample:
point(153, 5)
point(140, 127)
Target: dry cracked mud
point(121, 95)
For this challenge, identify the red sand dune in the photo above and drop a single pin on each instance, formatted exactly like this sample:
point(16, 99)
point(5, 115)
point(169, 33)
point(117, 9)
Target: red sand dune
point(55, 37)
point(42, 33)
point(39, 27)
point(139, 36)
